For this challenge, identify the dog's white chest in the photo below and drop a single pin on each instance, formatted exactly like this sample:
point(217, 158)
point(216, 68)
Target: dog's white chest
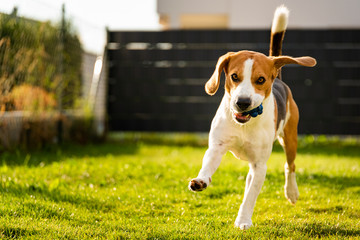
point(244, 141)
point(249, 143)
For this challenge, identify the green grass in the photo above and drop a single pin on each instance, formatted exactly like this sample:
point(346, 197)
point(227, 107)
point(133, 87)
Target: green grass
point(138, 190)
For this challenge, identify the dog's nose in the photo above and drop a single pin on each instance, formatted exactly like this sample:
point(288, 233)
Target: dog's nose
point(243, 103)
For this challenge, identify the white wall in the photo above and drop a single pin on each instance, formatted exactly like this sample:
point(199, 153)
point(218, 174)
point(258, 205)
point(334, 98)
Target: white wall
point(258, 13)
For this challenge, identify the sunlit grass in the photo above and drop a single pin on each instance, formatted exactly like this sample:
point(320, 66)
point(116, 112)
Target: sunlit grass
point(138, 190)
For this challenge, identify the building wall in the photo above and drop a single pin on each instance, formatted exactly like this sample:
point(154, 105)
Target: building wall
point(257, 14)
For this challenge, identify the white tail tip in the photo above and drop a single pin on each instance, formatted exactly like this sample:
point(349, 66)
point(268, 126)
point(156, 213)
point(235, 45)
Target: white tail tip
point(280, 20)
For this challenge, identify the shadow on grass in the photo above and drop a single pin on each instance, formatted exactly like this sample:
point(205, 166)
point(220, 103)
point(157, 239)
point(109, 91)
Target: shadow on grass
point(16, 232)
point(313, 230)
point(318, 230)
point(344, 210)
point(334, 182)
point(128, 144)
point(306, 144)
point(168, 139)
point(58, 195)
point(338, 149)
point(116, 145)
point(66, 151)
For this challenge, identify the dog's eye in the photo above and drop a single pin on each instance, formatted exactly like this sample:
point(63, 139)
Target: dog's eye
point(260, 81)
point(234, 77)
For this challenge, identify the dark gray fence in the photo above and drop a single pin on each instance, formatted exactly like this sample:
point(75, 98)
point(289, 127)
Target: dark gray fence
point(156, 79)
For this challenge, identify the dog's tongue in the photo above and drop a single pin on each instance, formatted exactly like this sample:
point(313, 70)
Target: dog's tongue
point(241, 117)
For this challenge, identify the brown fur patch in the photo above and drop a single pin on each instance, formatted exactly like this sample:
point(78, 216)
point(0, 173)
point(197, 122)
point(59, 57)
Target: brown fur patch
point(262, 67)
point(276, 115)
point(290, 133)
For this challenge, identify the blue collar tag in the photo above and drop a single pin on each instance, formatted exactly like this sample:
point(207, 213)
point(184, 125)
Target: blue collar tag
point(255, 112)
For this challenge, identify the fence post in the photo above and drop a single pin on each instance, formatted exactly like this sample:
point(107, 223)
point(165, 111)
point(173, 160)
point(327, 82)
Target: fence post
point(61, 75)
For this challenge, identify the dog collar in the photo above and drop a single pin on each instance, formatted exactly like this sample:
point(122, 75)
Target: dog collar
point(255, 112)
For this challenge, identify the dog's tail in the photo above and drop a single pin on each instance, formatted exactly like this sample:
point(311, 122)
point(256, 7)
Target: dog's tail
point(278, 29)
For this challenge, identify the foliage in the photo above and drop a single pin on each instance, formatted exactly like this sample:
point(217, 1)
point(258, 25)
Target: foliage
point(32, 52)
point(135, 189)
point(28, 98)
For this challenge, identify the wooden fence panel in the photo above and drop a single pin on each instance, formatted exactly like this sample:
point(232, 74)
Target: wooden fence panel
point(156, 79)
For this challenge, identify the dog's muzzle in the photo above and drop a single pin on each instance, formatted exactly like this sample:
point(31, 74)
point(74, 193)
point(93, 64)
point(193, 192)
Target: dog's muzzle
point(243, 117)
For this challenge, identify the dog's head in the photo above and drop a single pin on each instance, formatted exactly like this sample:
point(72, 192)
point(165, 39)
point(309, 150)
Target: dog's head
point(249, 79)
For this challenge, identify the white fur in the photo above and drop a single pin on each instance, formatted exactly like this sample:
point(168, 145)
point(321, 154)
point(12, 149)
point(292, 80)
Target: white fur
point(280, 20)
point(247, 72)
point(245, 88)
point(280, 131)
point(291, 188)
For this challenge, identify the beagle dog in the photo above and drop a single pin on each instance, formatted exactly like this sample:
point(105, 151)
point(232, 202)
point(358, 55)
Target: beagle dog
point(257, 108)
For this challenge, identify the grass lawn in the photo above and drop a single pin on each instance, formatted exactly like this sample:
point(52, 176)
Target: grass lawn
point(138, 190)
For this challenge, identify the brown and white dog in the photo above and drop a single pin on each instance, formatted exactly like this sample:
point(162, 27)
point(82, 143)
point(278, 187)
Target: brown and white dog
point(251, 81)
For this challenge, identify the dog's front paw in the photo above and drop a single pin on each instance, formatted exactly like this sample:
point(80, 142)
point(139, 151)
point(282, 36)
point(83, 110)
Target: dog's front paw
point(197, 185)
point(243, 225)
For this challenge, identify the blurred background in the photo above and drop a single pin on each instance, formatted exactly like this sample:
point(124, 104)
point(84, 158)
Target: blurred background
point(76, 70)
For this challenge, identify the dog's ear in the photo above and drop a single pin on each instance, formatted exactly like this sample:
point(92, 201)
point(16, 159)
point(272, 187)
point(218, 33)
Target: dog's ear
point(213, 83)
point(303, 61)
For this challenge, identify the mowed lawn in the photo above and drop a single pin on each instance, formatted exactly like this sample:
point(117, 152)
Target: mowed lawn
point(137, 189)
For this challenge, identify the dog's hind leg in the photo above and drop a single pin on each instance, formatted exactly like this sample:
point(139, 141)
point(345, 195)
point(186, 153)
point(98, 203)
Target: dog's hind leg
point(290, 146)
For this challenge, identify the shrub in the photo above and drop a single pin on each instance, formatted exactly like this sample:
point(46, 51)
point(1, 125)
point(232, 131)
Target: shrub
point(29, 98)
point(32, 52)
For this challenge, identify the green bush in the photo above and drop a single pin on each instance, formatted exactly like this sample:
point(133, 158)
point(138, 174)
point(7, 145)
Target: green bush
point(33, 52)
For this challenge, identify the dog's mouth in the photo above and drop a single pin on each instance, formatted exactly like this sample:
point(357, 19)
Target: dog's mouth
point(244, 117)
point(240, 117)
